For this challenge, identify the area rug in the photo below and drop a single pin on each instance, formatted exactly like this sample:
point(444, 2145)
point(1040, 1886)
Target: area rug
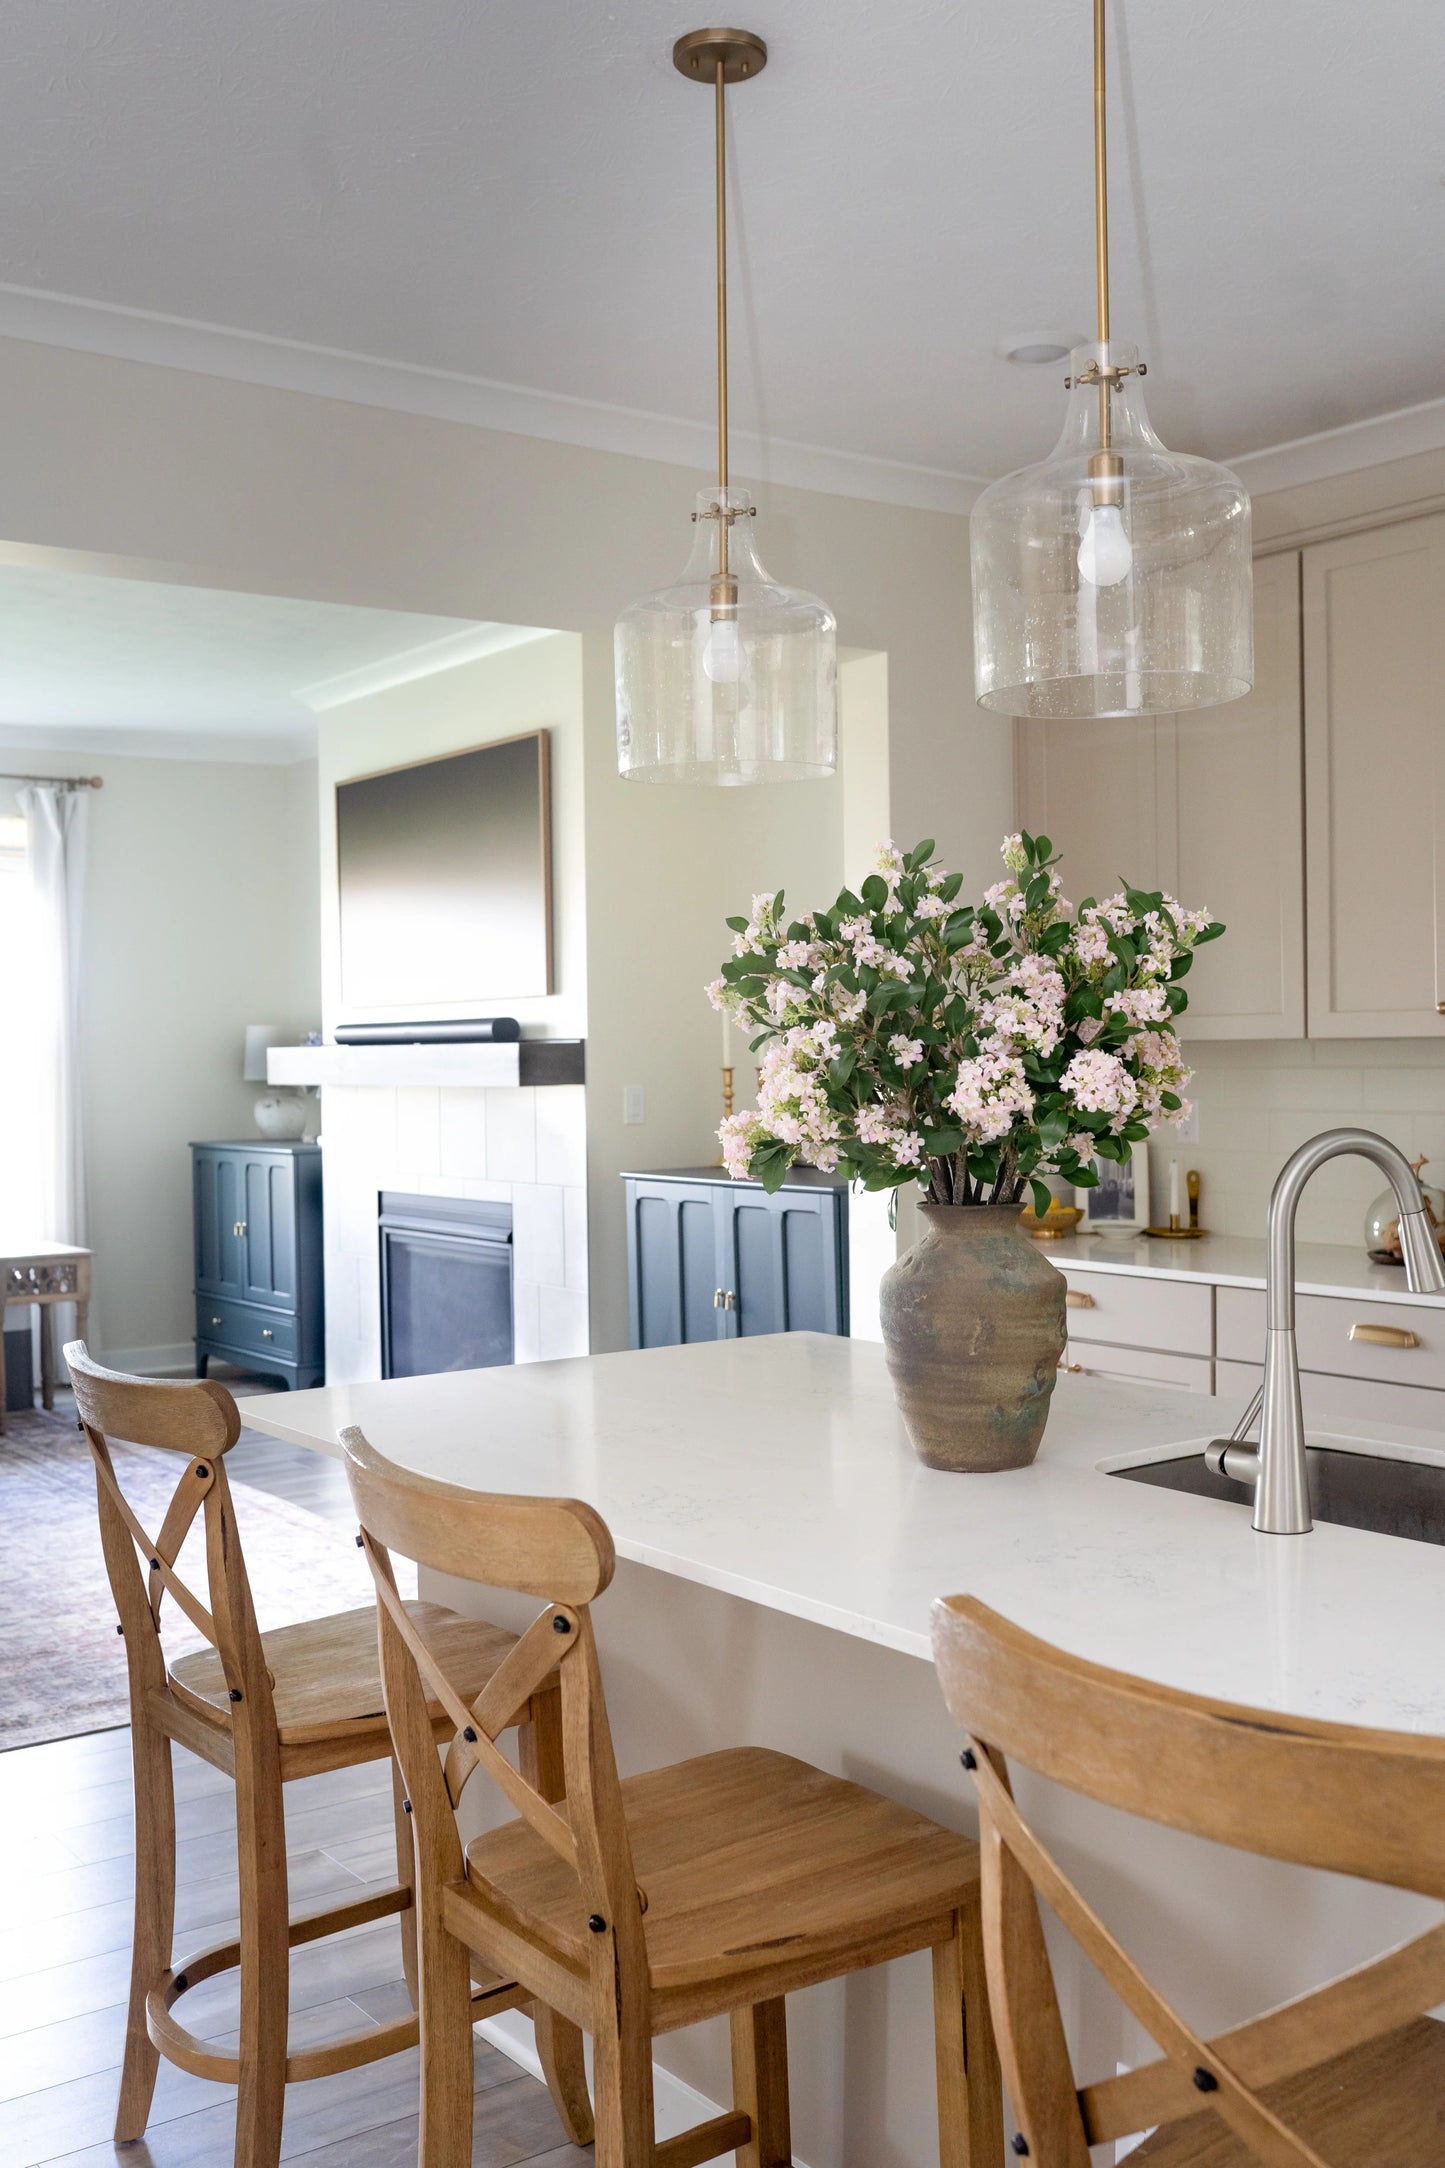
point(62, 1665)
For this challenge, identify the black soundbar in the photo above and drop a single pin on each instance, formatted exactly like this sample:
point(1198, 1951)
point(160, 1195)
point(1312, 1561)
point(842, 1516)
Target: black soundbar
point(469, 1031)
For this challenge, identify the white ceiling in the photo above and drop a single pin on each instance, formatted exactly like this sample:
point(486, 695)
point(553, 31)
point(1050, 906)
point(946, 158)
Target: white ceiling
point(518, 190)
point(87, 661)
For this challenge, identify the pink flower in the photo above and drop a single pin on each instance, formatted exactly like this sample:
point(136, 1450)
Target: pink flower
point(1100, 1084)
point(990, 1093)
point(905, 1051)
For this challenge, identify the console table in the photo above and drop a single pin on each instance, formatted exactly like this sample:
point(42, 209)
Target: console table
point(45, 1273)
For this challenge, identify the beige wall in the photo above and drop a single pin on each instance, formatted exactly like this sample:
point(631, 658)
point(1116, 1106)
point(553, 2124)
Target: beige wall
point(200, 919)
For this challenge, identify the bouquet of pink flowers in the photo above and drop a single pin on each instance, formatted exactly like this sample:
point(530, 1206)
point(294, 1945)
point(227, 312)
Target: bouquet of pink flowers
point(971, 1048)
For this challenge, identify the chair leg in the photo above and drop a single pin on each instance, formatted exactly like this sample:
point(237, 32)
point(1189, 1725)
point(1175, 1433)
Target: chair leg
point(970, 2084)
point(760, 2083)
point(559, 2042)
point(446, 2048)
point(265, 1967)
point(406, 1875)
point(155, 1914)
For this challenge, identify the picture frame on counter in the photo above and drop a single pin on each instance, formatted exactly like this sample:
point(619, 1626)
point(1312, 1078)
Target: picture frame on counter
point(1119, 1204)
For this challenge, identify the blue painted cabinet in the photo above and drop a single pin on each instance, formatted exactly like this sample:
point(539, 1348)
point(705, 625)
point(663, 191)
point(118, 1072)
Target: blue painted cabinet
point(259, 1301)
point(713, 1259)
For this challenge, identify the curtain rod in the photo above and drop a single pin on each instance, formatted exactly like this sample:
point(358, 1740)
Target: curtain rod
point(61, 782)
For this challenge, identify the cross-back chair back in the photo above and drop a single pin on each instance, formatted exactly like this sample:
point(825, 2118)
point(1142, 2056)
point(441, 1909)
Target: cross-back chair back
point(1328, 1796)
point(197, 1421)
point(558, 1551)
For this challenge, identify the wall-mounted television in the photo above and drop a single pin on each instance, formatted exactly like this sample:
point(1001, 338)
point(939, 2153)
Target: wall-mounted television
point(445, 874)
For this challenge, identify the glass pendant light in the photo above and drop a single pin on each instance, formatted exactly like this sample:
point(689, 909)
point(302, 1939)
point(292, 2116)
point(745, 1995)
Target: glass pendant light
point(726, 677)
point(1115, 578)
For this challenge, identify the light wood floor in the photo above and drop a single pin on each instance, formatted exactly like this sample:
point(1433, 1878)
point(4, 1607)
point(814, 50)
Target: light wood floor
point(65, 1824)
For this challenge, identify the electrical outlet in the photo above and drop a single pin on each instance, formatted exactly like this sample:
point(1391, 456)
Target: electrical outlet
point(634, 1112)
point(1187, 1132)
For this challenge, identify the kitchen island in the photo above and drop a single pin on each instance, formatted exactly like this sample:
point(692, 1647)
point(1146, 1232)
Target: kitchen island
point(779, 1548)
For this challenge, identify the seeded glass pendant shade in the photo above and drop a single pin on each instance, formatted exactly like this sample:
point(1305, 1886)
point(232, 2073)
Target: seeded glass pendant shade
point(1114, 578)
point(725, 677)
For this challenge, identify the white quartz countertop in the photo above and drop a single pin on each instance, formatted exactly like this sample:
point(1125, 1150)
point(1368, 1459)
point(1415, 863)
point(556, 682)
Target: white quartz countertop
point(777, 1470)
point(1321, 1268)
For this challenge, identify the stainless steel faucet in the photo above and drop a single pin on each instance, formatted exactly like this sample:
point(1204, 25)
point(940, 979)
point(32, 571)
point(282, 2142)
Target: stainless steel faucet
point(1276, 1466)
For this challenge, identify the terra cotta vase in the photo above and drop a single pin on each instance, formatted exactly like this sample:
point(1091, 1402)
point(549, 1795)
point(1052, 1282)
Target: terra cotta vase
point(973, 1327)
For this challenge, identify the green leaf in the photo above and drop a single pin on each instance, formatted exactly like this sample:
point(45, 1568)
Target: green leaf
point(919, 855)
point(1177, 999)
point(1036, 895)
point(1171, 1102)
point(875, 891)
point(738, 925)
point(1209, 933)
point(942, 1143)
point(1043, 847)
point(1182, 965)
point(1043, 1197)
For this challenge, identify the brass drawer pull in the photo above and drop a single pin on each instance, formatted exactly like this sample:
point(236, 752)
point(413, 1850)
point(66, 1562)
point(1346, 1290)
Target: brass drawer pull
point(1070, 1367)
point(717, 1298)
point(1385, 1335)
point(1076, 1299)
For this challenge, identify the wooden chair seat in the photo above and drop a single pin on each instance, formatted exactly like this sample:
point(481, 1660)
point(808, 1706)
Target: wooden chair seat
point(754, 1867)
point(1379, 2106)
point(326, 1673)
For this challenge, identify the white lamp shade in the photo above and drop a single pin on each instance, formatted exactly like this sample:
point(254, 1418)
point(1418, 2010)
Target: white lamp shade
point(258, 1038)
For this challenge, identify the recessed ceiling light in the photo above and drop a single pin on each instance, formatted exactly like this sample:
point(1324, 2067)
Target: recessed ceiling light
point(1031, 347)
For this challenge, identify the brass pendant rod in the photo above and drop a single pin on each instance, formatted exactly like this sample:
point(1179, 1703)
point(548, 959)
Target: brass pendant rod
point(720, 112)
point(1101, 223)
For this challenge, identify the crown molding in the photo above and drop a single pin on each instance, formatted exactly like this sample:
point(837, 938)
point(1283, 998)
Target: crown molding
point(1403, 434)
point(472, 644)
point(277, 749)
point(177, 342)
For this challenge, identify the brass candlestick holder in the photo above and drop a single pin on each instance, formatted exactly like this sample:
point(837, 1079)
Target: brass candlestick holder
point(1180, 1230)
point(727, 1103)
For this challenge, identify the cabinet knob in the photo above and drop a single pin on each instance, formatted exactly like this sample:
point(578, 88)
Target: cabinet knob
point(717, 1298)
point(267, 1333)
point(1071, 1366)
point(1385, 1335)
point(215, 1321)
point(1076, 1299)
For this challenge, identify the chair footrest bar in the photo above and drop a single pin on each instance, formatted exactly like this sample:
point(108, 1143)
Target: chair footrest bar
point(705, 2141)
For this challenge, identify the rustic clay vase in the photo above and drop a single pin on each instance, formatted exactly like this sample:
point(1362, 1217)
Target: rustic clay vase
point(973, 1327)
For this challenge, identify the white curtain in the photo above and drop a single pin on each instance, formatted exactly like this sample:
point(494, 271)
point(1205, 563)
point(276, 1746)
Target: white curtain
point(45, 1160)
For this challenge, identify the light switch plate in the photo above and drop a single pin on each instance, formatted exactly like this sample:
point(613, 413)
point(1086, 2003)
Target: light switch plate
point(634, 1109)
point(1187, 1132)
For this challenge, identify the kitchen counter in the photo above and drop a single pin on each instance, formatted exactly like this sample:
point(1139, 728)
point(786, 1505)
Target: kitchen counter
point(779, 1548)
point(1321, 1268)
point(777, 1470)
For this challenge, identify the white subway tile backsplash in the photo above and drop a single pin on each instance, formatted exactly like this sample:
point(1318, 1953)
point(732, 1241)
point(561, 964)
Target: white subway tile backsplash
point(512, 1134)
point(463, 1131)
point(1258, 1099)
point(526, 1322)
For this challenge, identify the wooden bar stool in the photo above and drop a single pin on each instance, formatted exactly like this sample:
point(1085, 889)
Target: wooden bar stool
point(266, 1708)
point(1350, 2076)
point(715, 1886)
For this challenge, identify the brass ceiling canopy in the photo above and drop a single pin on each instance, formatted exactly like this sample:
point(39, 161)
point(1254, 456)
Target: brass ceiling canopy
point(739, 53)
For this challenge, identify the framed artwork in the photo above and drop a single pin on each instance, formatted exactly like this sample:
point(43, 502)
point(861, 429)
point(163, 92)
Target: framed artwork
point(1120, 1203)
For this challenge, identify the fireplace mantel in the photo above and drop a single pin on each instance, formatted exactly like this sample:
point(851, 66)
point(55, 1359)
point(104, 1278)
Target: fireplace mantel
point(524, 1062)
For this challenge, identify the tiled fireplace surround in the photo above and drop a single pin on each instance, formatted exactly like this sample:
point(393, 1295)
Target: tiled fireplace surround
point(520, 1145)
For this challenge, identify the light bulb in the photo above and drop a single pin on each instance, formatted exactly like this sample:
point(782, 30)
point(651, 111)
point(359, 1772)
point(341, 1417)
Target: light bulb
point(722, 652)
point(1106, 555)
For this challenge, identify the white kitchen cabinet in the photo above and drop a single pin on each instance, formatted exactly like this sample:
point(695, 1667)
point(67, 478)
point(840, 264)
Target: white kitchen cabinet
point(1231, 831)
point(1374, 685)
point(1351, 1401)
point(1208, 806)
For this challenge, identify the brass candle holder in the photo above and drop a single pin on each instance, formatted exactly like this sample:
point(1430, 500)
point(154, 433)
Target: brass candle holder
point(1180, 1230)
point(727, 1103)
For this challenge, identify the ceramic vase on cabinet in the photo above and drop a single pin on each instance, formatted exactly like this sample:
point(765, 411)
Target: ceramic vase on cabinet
point(973, 1328)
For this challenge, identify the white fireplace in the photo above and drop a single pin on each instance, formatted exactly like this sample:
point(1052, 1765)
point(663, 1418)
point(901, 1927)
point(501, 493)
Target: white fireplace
point(516, 1144)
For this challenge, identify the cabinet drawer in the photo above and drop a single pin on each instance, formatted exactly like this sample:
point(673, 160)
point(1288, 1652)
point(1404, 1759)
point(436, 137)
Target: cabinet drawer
point(1356, 1401)
point(1140, 1365)
point(1323, 1324)
point(1114, 1307)
point(242, 1325)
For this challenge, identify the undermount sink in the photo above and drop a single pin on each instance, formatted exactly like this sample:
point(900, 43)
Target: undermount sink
point(1353, 1487)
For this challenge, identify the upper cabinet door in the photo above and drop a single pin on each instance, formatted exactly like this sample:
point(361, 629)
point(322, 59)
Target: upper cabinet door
point(1092, 789)
point(1231, 819)
point(1374, 672)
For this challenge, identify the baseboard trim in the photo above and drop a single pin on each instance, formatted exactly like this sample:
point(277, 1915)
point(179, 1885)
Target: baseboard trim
point(677, 2105)
point(153, 1362)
